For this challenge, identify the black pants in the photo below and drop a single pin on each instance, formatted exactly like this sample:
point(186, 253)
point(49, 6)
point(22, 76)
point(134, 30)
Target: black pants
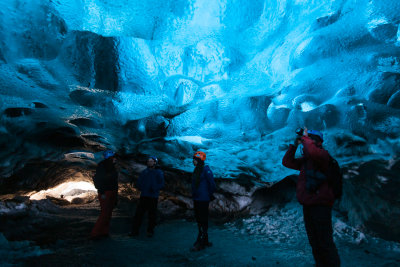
point(148, 204)
point(201, 214)
point(318, 223)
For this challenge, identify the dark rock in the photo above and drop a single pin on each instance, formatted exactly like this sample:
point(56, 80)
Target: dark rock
point(169, 209)
point(60, 137)
point(44, 206)
point(58, 201)
point(17, 112)
point(276, 195)
point(373, 120)
point(21, 199)
point(77, 201)
point(95, 138)
point(90, 98)
point(39, 105)
point(326, 20)
point(348, 140)
point(86, 122)
point(385, 32)
point(390, 84)
point(371, 198)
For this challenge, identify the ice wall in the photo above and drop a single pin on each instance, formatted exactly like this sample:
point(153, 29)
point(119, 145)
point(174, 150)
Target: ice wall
point(233, 78)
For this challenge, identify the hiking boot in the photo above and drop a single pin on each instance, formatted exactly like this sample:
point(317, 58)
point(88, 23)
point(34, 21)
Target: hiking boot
point(205, 241)
point(201, 242)
point(197, 240)
point(198, 246)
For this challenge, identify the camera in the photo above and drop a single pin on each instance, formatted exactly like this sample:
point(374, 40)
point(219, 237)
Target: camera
point(300, 131)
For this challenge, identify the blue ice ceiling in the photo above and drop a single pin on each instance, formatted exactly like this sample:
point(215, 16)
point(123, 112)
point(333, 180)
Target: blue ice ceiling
point(233, 78)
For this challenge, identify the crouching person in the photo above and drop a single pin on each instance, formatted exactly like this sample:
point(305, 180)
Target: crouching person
point(203, 186)
point(106, 182)
point(150, 181)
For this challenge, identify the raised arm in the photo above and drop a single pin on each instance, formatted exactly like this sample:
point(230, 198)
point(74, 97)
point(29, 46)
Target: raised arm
point(289, 161)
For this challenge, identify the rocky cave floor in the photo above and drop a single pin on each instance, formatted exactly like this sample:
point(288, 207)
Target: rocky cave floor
point(277, 238)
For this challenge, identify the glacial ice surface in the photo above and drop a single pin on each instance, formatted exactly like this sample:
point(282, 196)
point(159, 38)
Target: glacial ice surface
point(233, 78)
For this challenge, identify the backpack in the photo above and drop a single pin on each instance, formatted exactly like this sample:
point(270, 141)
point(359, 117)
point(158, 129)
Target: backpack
point(335, 177)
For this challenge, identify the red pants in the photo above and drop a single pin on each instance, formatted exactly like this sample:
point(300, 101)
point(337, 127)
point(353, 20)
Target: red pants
point(108, 200)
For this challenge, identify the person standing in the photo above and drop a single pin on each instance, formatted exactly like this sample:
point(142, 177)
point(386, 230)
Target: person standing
point(106, 182)
point(315, 194)
point(150, 181)
point(203, 187)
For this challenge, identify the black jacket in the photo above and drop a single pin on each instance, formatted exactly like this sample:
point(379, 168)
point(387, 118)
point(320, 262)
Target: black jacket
point(106, 177)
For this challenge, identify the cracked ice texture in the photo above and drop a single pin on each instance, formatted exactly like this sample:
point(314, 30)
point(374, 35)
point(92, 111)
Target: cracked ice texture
point(233, 78)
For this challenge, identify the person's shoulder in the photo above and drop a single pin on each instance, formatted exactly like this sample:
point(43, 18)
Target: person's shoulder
point(328, 154)
point(101, 163)
point(325, 151)
point(207, 168)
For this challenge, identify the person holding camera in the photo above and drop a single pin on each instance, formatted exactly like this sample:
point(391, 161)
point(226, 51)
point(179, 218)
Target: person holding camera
point(203, 187)
point(315, 194)
point(150, 181)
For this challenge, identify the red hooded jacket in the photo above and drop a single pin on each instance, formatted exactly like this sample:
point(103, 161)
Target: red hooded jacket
point(313, 156)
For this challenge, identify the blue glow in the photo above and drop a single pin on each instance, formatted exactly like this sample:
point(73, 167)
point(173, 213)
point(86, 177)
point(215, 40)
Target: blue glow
point(233, 77)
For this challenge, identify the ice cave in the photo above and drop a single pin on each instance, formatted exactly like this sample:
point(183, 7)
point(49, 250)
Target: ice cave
point(231, 78)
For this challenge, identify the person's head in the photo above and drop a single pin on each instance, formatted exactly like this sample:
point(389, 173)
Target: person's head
point(198, 158)
point(109, 159)
point(108, 154)
point(152, 161)
point(316, 136)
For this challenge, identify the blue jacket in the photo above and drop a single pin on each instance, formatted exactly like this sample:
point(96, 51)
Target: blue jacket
point(206, 187)
point(150, 182)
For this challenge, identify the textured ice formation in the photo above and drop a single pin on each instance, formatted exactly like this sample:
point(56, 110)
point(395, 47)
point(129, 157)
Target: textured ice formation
point(13, 251)
point(233, 78)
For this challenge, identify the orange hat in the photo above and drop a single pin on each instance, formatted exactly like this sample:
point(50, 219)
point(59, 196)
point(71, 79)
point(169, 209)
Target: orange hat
point(200, 154)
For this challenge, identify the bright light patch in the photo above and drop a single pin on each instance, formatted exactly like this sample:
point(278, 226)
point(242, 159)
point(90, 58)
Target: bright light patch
point(208, 13)
point(191, 139)
point(398, 37)
point(68, 191)
point(307, 106)
point(376, 22)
